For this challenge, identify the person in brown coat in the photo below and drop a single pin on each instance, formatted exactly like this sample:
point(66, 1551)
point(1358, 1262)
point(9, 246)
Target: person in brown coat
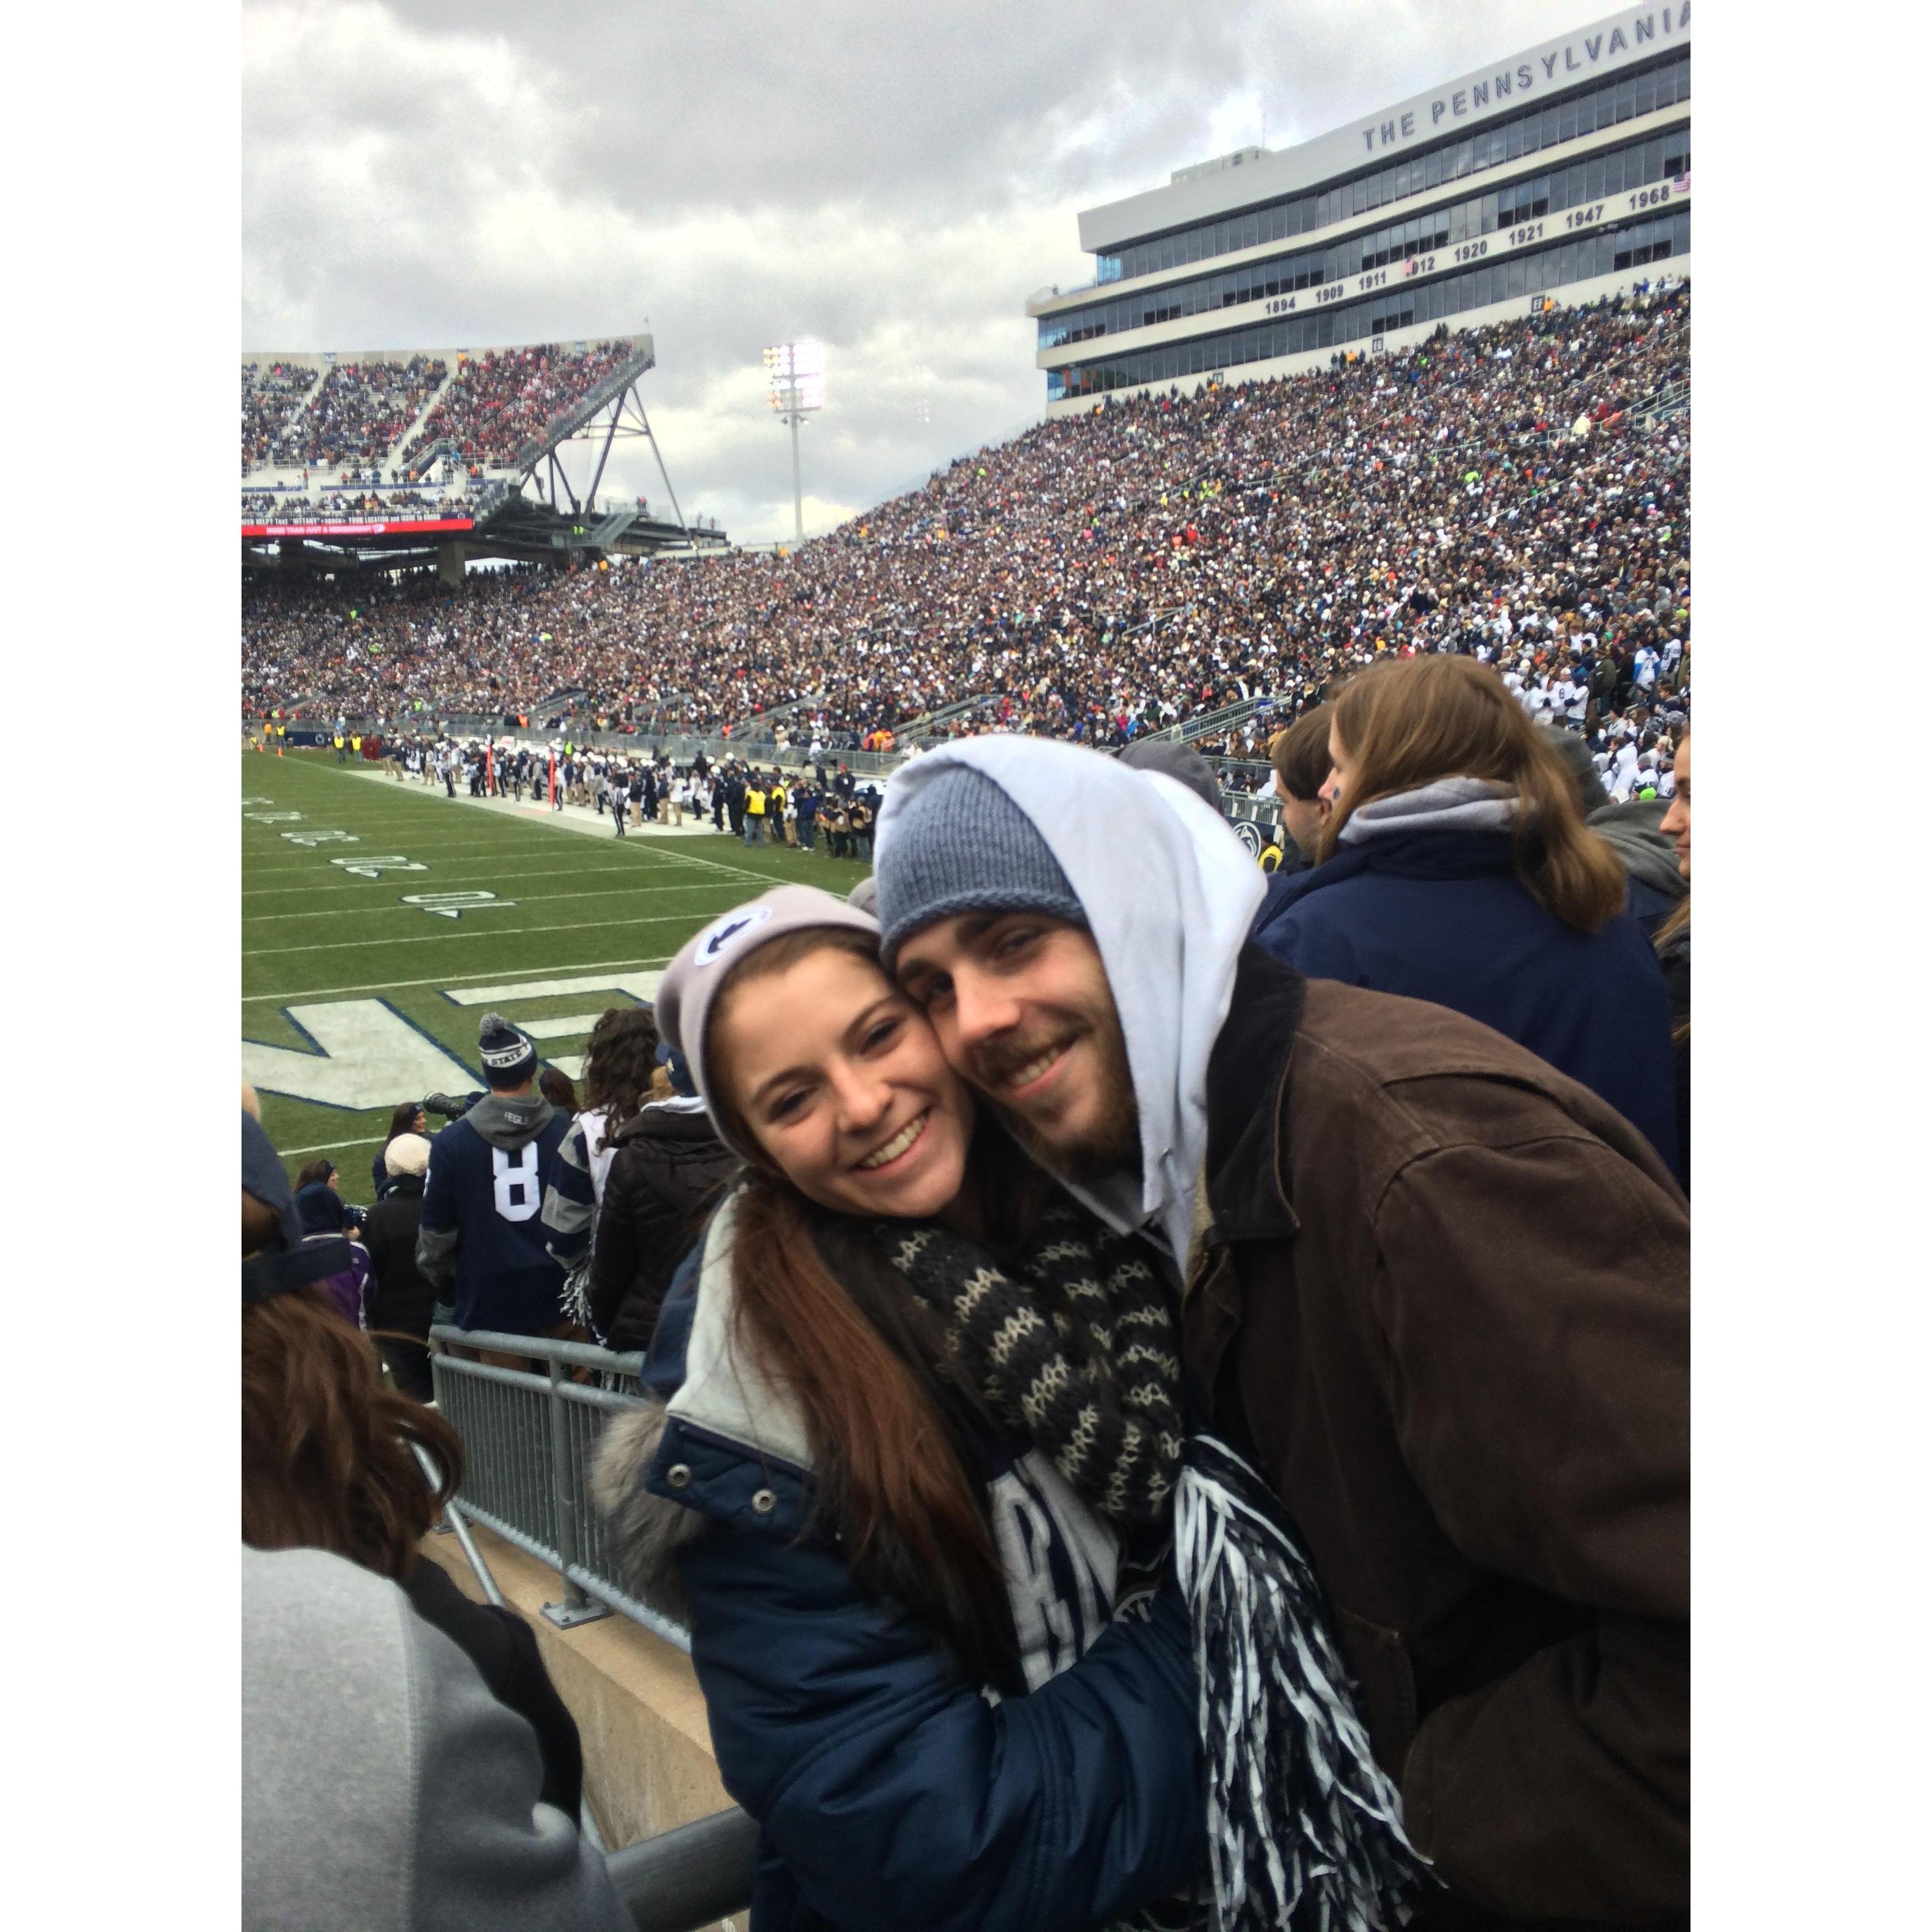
point(1435, 1291)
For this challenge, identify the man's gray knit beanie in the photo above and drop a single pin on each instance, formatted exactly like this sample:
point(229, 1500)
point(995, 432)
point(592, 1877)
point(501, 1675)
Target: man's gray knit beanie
point(962, 845)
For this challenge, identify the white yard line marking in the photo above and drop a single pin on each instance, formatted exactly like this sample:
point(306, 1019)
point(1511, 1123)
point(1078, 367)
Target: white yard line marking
point(478, 865)
point(410, 902)
point(452, 938)
point(329, 1147)
point(435, 979)
point(641, 985)
point(433, 856)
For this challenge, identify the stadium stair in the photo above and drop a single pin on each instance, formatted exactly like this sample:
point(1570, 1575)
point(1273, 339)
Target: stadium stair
point(918, 730)
point(294, 415)
point(604, 534)
point(572, 419)
point(391, 458)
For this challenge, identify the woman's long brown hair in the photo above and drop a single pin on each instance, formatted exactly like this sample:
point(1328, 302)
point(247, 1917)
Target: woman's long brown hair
point(823, 1311)
point(326, 1463)
point(1405, 724)
point(1675, 925)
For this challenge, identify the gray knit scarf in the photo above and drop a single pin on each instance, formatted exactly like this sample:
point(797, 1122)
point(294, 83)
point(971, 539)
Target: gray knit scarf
point(1077, 1348)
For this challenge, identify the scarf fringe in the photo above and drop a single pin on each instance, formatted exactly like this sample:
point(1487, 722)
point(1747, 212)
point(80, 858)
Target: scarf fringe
point(1304, 1828)
point(576, 1296)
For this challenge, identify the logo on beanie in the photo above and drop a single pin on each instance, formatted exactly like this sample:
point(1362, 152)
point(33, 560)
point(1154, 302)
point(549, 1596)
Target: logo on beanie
point(733, 926)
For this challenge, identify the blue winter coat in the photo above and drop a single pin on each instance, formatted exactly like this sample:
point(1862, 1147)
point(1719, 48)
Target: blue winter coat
point(892, 1792)
point(1441, 915)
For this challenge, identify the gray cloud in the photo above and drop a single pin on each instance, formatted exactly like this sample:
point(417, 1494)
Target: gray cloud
point(893, 179)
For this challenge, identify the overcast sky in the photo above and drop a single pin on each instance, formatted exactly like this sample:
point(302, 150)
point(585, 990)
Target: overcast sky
point(891, 177)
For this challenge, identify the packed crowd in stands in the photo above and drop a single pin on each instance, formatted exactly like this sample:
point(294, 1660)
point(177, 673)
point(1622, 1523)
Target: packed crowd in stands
point(1499, 492)
point(497, 404)
point(501, 402)
point(358, 413)
point(268, 397)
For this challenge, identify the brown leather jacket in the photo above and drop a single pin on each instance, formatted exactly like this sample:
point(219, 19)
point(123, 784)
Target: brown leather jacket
point(1442, 1297)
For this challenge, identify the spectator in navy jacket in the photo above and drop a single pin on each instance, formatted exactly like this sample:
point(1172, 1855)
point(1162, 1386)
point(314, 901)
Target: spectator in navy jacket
point(1456, 867)
point(480, 1241)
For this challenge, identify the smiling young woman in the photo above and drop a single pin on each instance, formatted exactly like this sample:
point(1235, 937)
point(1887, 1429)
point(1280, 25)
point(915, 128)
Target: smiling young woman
point(951, 1684)
point(823, 1062)
point(818, 1067)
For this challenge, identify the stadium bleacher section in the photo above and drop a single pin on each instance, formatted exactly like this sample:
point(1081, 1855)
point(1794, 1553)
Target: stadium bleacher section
point(502, 401)
point(359, 411)
point(1132, 568)
point(315, 426)
point(269, 396)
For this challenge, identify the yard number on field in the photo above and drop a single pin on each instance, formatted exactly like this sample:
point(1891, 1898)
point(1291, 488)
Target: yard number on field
point(453, 905)
point(374, 867)
point(313, 839)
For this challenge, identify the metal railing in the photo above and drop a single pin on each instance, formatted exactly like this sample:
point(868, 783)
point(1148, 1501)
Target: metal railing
point(1664, 405)
point(692, 1876)
point(529, 1439)
point(1207, 723)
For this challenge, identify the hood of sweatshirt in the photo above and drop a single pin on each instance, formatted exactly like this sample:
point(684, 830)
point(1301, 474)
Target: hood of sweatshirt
point(1648, 854)
point(507, 1123)
point(1443, 805)
point(1169, 892)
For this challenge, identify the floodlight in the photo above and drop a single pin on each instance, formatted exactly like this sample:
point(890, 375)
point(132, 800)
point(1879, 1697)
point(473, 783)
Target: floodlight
point(796, 371)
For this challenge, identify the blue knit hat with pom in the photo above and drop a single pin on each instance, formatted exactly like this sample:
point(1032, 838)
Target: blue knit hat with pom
point(509, 1058)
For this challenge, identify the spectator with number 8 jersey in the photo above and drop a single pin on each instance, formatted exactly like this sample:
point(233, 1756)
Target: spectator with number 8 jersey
point(482, 1242)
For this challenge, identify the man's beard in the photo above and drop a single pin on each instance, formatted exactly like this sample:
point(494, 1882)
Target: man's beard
point(1115, 1142)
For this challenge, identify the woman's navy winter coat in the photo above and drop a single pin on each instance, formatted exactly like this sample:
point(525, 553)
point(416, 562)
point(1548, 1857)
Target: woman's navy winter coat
point(892, 1793)
point(1441, 915)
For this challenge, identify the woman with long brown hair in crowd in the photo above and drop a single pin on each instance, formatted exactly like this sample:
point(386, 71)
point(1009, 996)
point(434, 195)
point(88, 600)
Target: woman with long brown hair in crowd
point(620, 1068)
point(1455, 866)
point(408, 1118)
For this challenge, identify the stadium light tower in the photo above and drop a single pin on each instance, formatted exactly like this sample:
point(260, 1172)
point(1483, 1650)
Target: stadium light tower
point(796, 371)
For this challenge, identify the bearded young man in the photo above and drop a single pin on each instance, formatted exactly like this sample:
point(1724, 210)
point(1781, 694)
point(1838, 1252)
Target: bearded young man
point(1436, 1293)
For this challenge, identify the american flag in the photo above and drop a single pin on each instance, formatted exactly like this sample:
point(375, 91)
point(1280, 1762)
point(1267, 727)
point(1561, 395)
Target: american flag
point(1680, 184)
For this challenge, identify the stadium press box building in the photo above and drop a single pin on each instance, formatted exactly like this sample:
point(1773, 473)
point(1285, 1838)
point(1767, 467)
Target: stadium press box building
point(1560, 174)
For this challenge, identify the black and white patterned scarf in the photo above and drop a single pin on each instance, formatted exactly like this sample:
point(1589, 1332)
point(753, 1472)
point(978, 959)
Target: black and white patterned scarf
point(1077, 1348)
point(1076, 1344)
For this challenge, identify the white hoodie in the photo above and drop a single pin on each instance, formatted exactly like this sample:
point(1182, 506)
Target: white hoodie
point(1169, 892)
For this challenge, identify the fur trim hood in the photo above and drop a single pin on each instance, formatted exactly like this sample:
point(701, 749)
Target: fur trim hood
point(646, 1530)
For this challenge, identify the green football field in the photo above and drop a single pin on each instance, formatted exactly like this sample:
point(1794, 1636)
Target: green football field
point(380, 921)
